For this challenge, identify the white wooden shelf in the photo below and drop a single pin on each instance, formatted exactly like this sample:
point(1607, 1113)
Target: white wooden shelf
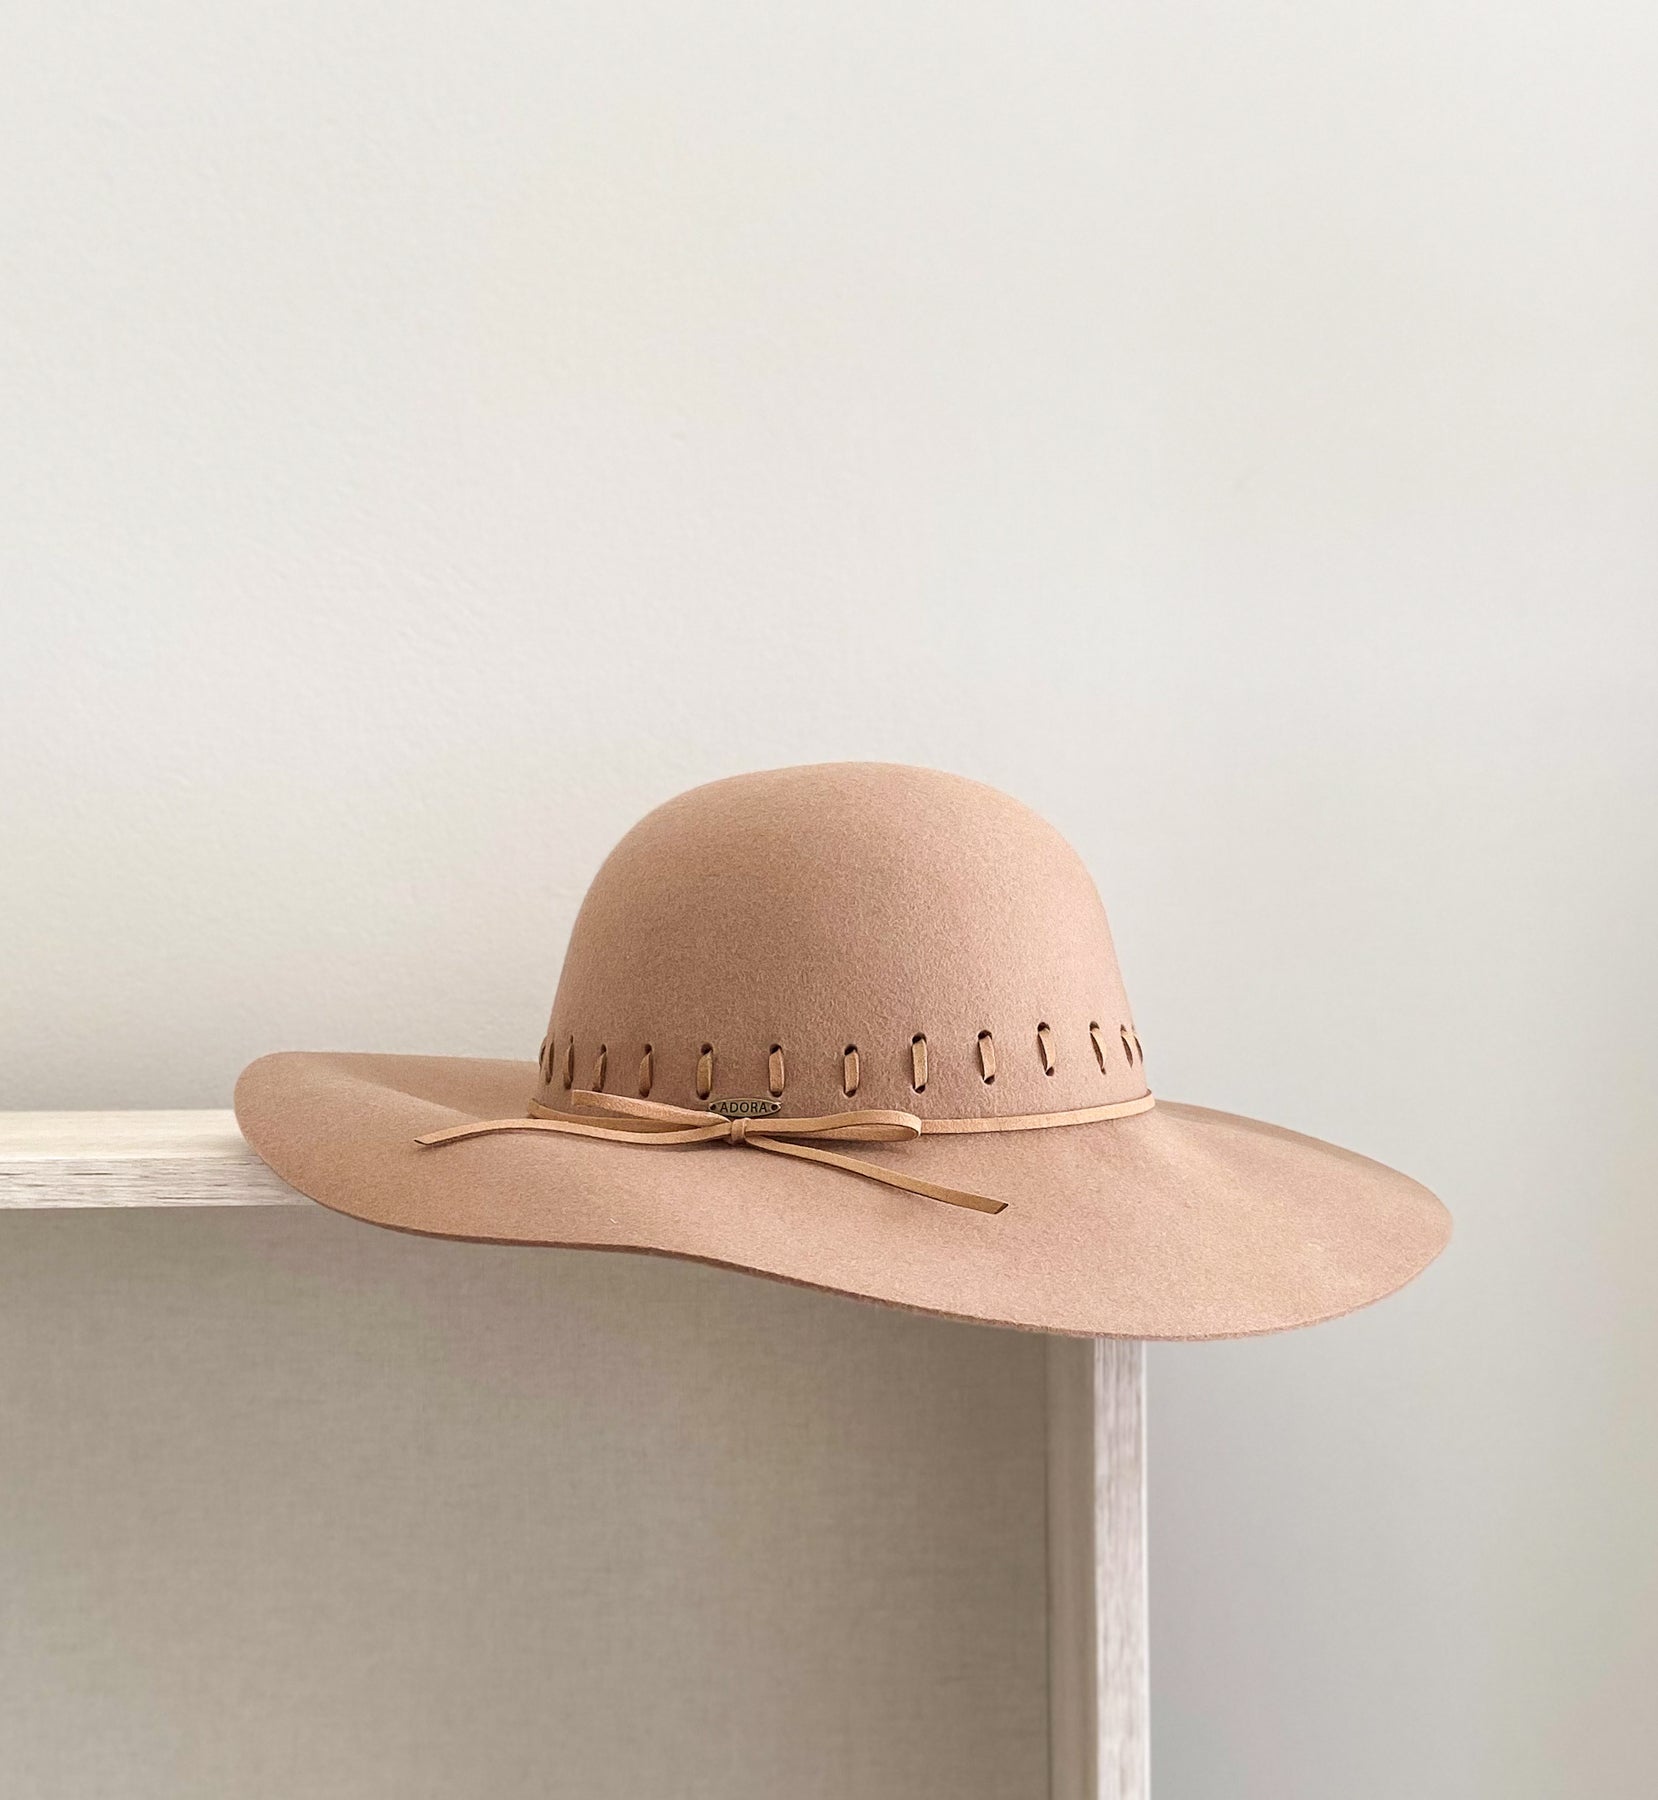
point(1097, 1662)
point(53, 1159)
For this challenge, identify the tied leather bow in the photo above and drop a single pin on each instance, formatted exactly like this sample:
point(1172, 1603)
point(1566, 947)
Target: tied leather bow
point(660, 1126)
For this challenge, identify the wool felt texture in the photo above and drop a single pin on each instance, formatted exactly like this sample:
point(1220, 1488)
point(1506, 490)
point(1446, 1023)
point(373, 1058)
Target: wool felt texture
point(861, 936)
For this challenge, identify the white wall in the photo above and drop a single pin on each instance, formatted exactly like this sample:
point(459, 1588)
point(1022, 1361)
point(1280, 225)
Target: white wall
point(294, 1507)
point(431, 435)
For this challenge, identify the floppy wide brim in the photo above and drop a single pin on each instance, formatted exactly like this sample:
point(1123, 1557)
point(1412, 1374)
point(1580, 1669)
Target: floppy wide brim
point(1175, 1223)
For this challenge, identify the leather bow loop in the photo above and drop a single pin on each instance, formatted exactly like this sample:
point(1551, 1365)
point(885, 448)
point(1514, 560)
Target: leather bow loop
point(871, 1127)
point(619, 1119)
point(652, 1122)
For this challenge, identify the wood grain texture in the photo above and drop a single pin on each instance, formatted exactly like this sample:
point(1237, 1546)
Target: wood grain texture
point(98, 1159)
point(1098, 1686)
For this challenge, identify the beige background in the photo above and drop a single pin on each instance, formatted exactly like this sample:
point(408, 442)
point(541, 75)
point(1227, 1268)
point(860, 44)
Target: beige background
point(432, 435)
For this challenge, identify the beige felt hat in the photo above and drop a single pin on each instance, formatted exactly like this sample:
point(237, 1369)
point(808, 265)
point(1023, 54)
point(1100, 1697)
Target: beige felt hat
point(901, 987)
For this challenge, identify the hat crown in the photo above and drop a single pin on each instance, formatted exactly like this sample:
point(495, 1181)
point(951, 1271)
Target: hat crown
point(846, 934)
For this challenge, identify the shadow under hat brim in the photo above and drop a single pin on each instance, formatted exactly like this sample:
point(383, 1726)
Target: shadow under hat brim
point(1175, 1223)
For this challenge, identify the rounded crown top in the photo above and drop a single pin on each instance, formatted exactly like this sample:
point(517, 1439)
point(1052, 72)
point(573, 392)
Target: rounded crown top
point(839, 934)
